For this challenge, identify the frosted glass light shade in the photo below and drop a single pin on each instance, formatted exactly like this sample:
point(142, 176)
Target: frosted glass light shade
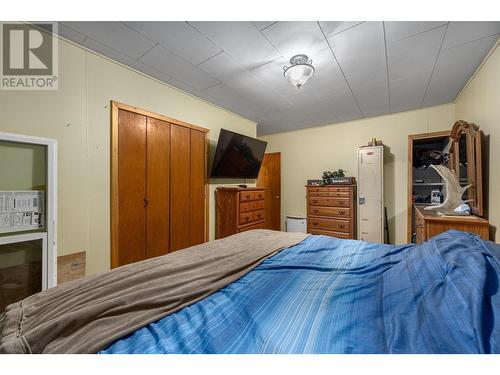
point(300, 71)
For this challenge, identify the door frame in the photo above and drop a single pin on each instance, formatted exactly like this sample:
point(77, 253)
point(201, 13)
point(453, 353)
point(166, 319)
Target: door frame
point(280, 195)
point(409, 192)
point(114, 197)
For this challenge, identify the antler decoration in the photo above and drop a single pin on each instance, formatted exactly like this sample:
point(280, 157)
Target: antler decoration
point(454, 192)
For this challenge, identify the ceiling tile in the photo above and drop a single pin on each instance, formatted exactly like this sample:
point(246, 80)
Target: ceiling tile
point(334, 27)
point(165, 61)
point(407, 93)
point(454, 68)
point(229, 99)
point(180, 38)
point(272, 75)
point(263, 24)
point(292, 38)
point(467, 31)
point(371, 92)
point(360, 50)
point(117, 56)
point(242, 40)
point(70, 34)
point(397, 30)
point(115, 35)
point(414, 55)
point(222, 67)
point(317, 108)
point(343, 103)
point(191, 90)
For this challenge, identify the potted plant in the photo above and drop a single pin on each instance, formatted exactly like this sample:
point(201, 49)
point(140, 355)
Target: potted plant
point(328, 176)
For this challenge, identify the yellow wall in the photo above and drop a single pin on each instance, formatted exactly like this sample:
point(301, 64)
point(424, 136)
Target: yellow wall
point(306, 153)
point(78, 116)
point(479, 102)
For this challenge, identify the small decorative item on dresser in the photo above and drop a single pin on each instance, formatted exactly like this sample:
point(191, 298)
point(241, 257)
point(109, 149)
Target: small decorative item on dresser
point(374, 142)
point(336, 177)
point(315, 182)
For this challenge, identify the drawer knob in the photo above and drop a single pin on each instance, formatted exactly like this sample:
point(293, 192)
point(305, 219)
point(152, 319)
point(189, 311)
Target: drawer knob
point(248, 196)
point(315, 223)
point(315, 201)
point(316, 211)
point(247, 218)
point(342, 212)
point(341, 226)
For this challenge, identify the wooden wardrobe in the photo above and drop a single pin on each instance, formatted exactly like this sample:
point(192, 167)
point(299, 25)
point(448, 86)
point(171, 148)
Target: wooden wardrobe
point(159, 200)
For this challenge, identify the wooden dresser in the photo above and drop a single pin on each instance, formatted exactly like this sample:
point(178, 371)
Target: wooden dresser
point(238, 210)
point(331, 210)
point(429, 224)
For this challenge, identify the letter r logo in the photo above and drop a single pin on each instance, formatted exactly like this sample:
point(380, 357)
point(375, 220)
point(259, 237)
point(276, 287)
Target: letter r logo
point(26, 50)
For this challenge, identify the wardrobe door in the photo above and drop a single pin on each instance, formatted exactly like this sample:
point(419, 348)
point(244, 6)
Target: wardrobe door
point(198, 192)
point(180, 192)
point(131, 188)
point(158, 193)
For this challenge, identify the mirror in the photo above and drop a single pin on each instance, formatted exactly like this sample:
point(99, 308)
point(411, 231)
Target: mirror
point(465, 161)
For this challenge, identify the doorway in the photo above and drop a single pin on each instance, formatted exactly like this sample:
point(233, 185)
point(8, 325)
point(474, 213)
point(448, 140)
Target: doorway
point(270, 179)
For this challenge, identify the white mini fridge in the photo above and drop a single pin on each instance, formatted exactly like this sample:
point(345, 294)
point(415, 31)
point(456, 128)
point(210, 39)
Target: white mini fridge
point(371, 194)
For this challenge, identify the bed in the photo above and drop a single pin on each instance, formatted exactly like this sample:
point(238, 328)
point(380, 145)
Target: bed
point(324, 295)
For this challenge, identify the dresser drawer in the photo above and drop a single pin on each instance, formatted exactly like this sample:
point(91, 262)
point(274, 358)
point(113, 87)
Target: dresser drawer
point(338, 189)
point(247, 196)
point(249, 217)
point(252, 206)
point(339, 194)
point(343, 226)
point(318, 193)
point(260, 225)
point(319, 189)
point(330, 233)
point(329, 202)
point(330, 211)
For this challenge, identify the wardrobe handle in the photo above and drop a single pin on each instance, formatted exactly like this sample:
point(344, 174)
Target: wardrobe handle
point(146, 201)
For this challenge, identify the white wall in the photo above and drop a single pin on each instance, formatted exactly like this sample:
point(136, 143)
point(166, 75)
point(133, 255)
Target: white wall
point(479, 102)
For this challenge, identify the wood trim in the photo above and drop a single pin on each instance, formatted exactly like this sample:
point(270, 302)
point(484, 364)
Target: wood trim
point(207, 190)
point(409, 208)
point(171, 120)
point(114, 185)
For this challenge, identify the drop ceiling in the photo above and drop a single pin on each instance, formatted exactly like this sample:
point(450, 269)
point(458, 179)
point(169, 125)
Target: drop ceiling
point(363, 69)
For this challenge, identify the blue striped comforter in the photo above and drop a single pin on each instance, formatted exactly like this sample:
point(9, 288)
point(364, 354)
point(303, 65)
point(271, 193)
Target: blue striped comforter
point(327, 295)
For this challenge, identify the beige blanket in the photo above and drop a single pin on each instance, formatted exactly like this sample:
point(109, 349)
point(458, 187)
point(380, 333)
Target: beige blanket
point(84, 316)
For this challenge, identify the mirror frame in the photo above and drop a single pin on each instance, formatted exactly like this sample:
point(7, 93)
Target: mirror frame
point(474, 161)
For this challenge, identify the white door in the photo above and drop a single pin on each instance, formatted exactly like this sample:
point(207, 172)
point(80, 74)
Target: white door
point(370, 194)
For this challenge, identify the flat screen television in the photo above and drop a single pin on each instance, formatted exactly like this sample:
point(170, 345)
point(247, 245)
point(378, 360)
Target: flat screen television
point(237, 156)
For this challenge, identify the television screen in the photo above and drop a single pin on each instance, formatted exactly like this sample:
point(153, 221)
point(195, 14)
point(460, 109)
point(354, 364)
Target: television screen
point(237, 156)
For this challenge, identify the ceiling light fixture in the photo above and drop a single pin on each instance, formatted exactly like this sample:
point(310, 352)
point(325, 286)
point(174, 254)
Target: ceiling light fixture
point(300, 71)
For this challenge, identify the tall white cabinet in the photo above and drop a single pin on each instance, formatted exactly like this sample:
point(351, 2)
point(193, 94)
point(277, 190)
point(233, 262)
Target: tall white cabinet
point(371, 194)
